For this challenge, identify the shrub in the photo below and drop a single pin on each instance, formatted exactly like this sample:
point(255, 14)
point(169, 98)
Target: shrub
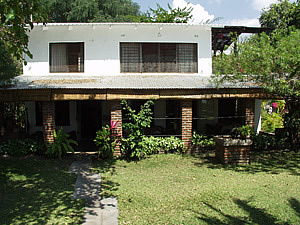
point(242, 132)
point(61, 145)
point(106, 142)
point(171, 144)
point(202, 140)
point(21, 147)
point(133, 145)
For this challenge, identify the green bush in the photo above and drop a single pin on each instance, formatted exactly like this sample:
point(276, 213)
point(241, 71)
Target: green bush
point(61, 145)
point(171, 144)
point(106, 143)
point(202, 140)
point(263, 142)
point(21, 147)
point(132, 144)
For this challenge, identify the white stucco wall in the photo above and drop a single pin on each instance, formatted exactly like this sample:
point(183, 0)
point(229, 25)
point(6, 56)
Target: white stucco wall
point(101, 44)
point(257, 118)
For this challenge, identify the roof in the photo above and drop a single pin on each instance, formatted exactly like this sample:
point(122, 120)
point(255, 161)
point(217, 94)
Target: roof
point(136, 81)
point(127, 24)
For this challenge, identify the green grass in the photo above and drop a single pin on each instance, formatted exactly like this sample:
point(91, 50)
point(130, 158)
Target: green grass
point(174, 189)
point(38, 192)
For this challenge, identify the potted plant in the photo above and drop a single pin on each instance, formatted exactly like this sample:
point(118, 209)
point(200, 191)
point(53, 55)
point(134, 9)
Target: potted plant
point(235, 148)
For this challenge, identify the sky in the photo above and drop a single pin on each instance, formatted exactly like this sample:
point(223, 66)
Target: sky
point(226, 12)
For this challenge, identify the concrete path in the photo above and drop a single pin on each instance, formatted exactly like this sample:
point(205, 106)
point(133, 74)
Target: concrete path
point(97, 211)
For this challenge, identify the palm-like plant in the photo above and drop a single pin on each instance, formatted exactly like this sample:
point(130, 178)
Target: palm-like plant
point(61, 145)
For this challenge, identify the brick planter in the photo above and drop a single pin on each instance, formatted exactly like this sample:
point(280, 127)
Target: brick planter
point(233, 151)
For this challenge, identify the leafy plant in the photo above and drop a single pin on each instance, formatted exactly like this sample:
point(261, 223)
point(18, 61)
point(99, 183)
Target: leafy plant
point(20, 147)
point(106, 142)
point(202, 140)
point(242, 132)
point(132, 145)
point(61, 145)
point(171, 144)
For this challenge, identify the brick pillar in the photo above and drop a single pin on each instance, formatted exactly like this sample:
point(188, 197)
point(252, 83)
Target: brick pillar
point(186, 124)
point(48, 109)
point(116, 116)
point(250, 111)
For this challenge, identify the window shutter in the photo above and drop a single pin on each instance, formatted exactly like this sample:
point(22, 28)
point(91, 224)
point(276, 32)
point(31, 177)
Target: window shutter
point(187, 58)
point(130, 57)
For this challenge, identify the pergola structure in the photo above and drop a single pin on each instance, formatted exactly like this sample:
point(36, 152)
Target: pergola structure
point(222, 36)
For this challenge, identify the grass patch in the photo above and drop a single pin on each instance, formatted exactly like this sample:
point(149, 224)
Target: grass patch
point(38, 192)
point(174, 189)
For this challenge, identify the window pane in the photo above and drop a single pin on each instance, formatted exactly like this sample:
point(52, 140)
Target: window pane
point(150, 58)
point(130, 57)
point(168, 58)
point(66, 57)
point(58, 59)
point(187, 58)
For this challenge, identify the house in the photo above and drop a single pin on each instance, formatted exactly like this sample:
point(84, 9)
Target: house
point(80, 72)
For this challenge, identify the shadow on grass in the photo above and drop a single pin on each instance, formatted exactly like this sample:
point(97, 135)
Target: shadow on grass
point(271, 162)
point(38, 192)
point(255, 215)
point(106, 167)
point(295, 205)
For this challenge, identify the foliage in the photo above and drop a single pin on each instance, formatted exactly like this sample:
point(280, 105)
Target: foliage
point(14, 113)
point(202, 140)
point(61, 145)
point(262, 142)
point(106, 142)
point(242, 132)
point(274, 65)
point(161, 15)
point(279, 16)
point(20, 147)
point(93, 11)
point(17, 19)
point(8, 67)
point(171, 144)
point(132, 145)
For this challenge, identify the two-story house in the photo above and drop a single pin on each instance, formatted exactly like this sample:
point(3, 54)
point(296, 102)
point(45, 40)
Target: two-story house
point(80, 72)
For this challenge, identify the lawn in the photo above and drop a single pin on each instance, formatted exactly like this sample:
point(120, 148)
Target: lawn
point(38, 191)
point(175, 189)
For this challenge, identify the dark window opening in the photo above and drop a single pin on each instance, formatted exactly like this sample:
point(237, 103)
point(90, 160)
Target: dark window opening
point(66, 57)
point(62, 113)
point(38, 114)
point(158, 57)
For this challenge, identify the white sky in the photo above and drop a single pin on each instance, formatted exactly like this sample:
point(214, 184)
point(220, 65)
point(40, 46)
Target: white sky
point(231, 12)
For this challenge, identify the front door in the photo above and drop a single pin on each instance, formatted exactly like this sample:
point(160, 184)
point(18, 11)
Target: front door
point(90, 118)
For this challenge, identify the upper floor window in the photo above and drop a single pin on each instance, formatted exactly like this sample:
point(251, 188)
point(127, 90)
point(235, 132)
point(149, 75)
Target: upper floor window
point(66, 57)
point(158, 58)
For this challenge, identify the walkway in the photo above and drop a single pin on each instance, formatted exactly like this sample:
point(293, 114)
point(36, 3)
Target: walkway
point(97, 211)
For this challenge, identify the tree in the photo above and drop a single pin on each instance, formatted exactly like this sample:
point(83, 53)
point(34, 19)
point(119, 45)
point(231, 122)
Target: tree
point(161, 15)
point(279, 16)
point(272, 63)
point(17, 18)
point(93, 11)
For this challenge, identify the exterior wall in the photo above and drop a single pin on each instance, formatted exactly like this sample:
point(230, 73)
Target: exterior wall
point(101, 44)
point(48, 109)
point(250, 112)
point(116, 116)
point(186, 125)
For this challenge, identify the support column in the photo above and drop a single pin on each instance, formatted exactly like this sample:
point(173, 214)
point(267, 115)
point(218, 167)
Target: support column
point(186, 124)
point(250, 112)
point(48, 109)
point(116, 116)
